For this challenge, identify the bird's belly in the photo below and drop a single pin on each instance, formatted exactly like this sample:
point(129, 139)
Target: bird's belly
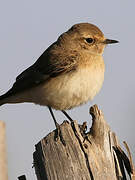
point(70, 90)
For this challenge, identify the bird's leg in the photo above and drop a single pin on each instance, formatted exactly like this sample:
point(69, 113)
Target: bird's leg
point(65, 113)
point(56, 124)
point(58, 130)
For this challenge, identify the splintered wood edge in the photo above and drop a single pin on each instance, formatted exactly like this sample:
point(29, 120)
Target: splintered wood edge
point(130, 160)
point(130, 156)
point(113, 140)
point(99, 129)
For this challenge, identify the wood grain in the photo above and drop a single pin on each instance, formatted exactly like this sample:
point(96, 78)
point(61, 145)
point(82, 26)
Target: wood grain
point(93, 155)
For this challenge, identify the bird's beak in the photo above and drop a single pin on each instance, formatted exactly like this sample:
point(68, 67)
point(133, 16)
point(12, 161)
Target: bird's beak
point(110, 41)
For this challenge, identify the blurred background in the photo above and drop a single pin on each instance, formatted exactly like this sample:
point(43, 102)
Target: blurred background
point(27, 28)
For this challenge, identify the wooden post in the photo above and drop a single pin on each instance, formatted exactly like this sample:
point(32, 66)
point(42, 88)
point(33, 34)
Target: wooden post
point(94, 155)
point(3, 157)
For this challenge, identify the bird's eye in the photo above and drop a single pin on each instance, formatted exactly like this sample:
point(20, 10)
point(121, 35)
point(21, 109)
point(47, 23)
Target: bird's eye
point(89, 40)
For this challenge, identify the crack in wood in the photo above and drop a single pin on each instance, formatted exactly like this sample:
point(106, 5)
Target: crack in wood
point(92, 155)
point(85, 154)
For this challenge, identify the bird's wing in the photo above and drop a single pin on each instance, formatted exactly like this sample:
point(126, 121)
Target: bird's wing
point(43, 69)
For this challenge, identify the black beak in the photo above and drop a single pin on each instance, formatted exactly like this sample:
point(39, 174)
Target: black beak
point(110, 41)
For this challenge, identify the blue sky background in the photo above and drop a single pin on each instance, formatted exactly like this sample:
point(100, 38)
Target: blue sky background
point(27, 28)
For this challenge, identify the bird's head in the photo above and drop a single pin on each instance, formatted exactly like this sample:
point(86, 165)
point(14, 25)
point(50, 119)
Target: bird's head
point(85, 36)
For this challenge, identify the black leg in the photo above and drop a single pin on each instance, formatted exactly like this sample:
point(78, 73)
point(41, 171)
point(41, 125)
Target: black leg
point(65, 113)
point(58, 130)
point(56, 124)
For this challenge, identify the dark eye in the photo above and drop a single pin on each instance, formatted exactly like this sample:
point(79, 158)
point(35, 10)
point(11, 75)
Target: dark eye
point(89, 40)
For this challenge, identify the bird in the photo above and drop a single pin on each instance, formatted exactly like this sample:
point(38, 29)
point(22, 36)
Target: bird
point(69, 73)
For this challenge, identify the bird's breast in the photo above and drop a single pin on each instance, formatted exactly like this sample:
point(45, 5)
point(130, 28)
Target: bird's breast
point(72, 89)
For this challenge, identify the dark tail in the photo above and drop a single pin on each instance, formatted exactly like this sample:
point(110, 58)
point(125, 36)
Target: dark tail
point(4, 98)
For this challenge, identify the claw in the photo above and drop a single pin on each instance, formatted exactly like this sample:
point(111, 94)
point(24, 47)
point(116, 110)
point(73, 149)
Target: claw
point(58, 134)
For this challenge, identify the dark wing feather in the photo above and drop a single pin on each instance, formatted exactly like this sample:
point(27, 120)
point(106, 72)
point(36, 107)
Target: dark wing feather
point(47, 66)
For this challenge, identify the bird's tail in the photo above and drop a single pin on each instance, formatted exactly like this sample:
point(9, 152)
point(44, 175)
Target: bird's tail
point(3, 98)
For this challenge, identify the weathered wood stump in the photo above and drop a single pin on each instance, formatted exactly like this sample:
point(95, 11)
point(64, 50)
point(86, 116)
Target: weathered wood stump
point(94, 155)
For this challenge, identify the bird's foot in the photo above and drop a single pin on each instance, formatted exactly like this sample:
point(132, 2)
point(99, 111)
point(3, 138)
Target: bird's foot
point(83, 129)
point(58, 134)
